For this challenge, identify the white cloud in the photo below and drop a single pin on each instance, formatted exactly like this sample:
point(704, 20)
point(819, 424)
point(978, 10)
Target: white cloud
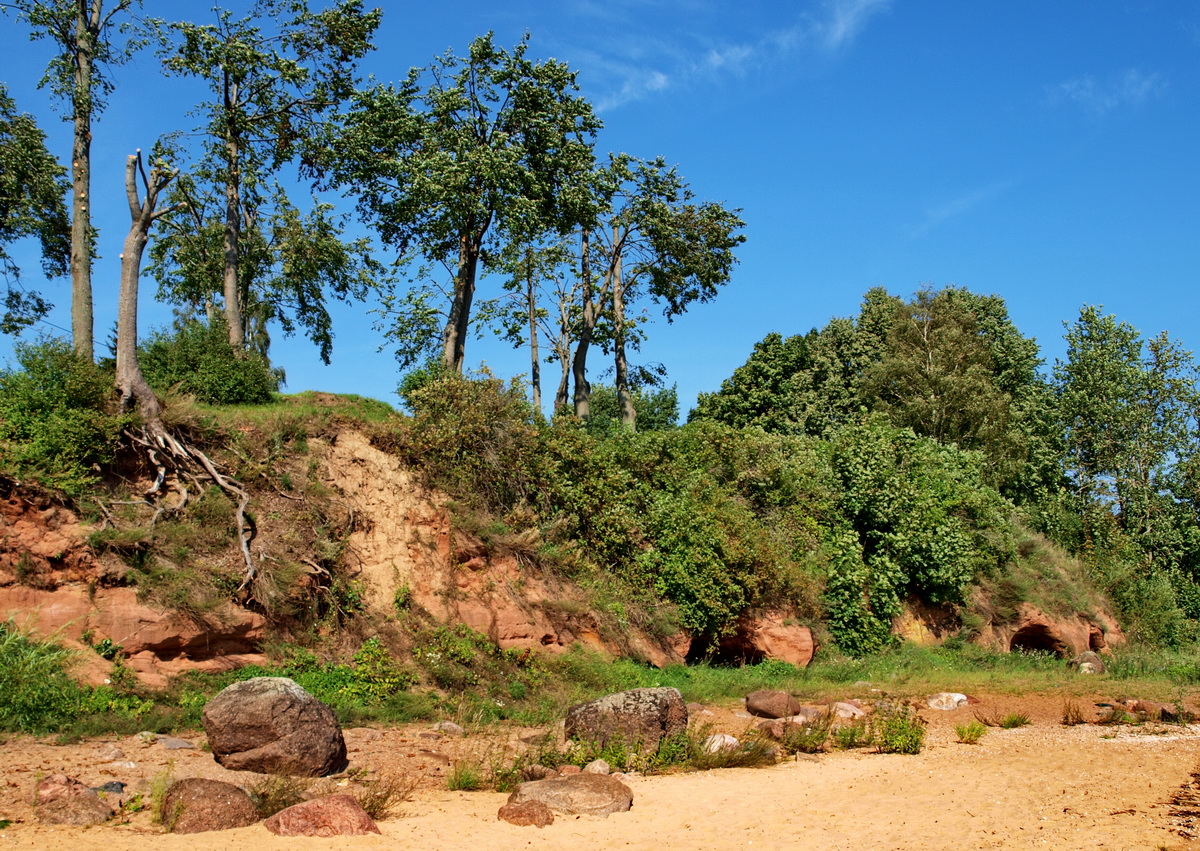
point(843, 20)
point(1129, 88)
point(634, 67)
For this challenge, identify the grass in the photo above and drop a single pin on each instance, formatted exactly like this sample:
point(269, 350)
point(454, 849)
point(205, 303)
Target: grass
point(897, 730)
point(970, 733)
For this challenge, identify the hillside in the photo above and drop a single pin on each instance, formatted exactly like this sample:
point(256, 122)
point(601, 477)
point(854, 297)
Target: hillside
point(471, 518)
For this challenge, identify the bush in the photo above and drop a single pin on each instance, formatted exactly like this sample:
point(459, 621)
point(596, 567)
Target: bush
point(897, 730)
point(56, 417)
point(970, 733)
point(36, 695)
point(196, 358)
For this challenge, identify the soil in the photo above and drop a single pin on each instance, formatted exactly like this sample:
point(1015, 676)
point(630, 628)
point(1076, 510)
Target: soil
point(1041, 786)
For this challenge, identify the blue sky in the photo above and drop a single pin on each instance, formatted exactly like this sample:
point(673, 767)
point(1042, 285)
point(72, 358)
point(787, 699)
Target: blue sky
point(1043, 151)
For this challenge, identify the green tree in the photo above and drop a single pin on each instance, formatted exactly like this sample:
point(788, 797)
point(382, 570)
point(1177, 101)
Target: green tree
point(461, 159)
point(657, 408)
point(652, 240)
point(1129, 411)
point(762, 391)
point(32, 188)
point(83, 34)
point(276, 76)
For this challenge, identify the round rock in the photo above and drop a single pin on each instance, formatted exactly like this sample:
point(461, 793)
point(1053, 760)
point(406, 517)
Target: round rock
point(273, 726)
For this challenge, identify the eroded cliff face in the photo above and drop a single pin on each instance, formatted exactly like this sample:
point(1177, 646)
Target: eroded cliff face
point(403, 543)
point(401, 549)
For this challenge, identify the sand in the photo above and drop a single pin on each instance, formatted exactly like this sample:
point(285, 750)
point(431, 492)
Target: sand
point(1041, 786)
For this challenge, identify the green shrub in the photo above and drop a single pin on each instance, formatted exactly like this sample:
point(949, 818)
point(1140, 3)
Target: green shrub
point(852, 735)
point(36, 695)
point(56, 422)
point(810, 737)
point(897, 730)
point(970, 733)
point(197, 359)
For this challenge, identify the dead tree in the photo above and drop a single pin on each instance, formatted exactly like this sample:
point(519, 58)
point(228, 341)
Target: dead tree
point(179, 466)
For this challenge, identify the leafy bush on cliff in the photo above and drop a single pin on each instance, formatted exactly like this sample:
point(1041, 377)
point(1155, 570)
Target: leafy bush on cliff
point(57, 426)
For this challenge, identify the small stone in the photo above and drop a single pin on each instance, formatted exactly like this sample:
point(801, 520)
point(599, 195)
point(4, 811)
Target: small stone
point(449, 728)
point(597, 766)
point(565, 770)
point(720, 742)
point(173, 744)
point(110, 753)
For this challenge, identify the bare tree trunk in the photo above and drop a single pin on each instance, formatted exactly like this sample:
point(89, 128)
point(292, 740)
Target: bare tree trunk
point(233, 227)
point(129, 379)
point(621, 364)
point(583, 390)
point(535, 363)
point(82, 322)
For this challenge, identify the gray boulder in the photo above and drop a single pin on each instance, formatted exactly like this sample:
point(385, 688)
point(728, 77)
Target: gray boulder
point(578, 794)
point(273, 726)
point(641, 717)
point(1088, 662)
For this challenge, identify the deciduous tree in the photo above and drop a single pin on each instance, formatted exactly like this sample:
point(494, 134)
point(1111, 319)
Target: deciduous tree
point(276, 76)
point(82, 31)
point(32, 188)
point(461, 159)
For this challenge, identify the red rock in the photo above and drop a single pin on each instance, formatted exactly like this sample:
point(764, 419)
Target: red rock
point(335, 815)
point(197, 805)
point(771, 703)
point(526, 814)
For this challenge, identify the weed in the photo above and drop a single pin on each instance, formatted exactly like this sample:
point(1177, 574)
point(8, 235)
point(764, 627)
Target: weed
point(751, 751)
point(1072, 714)
point(970, 733)
point(850, 736)
point(810, 737)
point(897, 730)
point(1013, 720)
point(277, 792)
point(159, 784)
point(385, 793)
point(464, 776)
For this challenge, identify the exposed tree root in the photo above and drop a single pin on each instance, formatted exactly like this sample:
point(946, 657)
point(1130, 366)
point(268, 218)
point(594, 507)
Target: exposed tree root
point(180, 465)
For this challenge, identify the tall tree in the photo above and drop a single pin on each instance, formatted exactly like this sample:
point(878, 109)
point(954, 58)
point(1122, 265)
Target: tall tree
point(461, 159)
point(649, 239)
point(276, 76)
point(32, 188)
point(1129, 408)
point(83, 34)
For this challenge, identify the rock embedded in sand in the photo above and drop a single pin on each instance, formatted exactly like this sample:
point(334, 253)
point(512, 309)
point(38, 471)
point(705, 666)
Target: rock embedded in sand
point(334, 815)
point(579, 794)
point(769, 703)
point(64, 800)
point(526, 814)
point(639, 717)
point(273, 726)
point(198, 805)
point(946, 700)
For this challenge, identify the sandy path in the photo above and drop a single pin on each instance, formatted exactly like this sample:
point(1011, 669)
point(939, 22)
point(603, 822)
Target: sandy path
point(1044, 786)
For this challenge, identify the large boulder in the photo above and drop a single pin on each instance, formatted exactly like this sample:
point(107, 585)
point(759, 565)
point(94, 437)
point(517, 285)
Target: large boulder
point(1087, 662)
point(273, 726)
point(641, 717)
point(198, 805)
point(770, 703)
point(578, 794)
point(333, 815)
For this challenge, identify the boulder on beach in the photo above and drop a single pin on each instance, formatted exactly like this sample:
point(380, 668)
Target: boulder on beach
point(273, 726)
point(640, 717)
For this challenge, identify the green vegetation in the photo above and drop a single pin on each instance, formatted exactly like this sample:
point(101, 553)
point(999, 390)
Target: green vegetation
point(971, 732)
point(897, 730)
